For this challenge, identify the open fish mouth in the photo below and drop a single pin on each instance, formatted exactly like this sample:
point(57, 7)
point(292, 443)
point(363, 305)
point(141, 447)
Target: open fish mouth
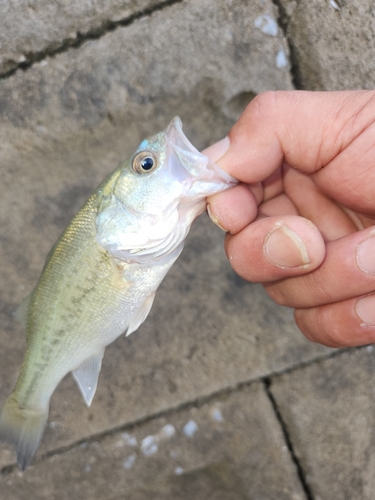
point(198, 171)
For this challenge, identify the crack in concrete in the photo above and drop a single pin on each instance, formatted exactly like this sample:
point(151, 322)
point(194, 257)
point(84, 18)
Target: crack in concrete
point(283, 22)
point(93, 34)
point(197, 402)
point(288, 441)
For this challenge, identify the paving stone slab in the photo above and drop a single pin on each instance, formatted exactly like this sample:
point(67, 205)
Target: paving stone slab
point(64, 124)
point(333, 42)
point(329, 410)
point(29, 27)
point(231, 448)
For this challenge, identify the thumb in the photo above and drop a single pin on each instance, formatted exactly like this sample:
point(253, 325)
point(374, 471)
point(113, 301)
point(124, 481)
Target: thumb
point(307, 130)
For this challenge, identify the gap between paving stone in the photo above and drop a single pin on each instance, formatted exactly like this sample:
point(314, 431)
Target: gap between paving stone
point(94, 34)
point(282, 21)
point(199, 401)
point(288, 441)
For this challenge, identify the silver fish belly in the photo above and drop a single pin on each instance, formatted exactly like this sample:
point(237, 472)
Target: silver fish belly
point(101, 276)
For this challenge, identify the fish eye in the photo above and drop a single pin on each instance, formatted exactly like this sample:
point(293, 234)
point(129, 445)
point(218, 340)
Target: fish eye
point(144, 162)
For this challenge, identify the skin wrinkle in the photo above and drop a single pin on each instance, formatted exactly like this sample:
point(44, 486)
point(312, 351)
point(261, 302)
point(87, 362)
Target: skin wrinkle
point(353, 119)
point(347, 183)
point(314, 205)
point(279, 204)
point(286, 129)
point(315, 162)
point(282, 169)
point(272, 96)
point(334, 333)
point(340, 135)
point(318, 320)
point(321, 291)
point(326, 180)
point(345, 134)
point(308, 286)
point(301, 317)
point(274, 184)
point(276, 96)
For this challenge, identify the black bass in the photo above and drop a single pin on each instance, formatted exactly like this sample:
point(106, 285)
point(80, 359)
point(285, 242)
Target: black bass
point(101, 276)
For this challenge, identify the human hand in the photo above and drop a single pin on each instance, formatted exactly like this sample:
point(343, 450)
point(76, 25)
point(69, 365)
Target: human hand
point(301, 221)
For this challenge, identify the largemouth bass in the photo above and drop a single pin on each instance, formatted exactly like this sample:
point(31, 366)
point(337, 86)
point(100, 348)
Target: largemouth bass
point(101, 276)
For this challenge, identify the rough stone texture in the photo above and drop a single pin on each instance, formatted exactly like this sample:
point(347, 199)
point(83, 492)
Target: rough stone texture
point(328, 409)
point(231, 448)
point(28, 27)
point(65, 123)
point(333, 43)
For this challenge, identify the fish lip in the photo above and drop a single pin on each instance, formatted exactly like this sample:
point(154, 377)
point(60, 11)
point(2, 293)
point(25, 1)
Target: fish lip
point(194, 162)
point(189, 157)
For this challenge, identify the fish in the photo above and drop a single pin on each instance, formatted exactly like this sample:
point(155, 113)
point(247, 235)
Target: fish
point(100, 278)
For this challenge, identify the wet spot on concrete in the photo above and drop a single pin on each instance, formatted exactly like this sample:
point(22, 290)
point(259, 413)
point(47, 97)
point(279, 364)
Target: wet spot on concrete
point(149, 446)
point(217, 415)
point(167, 431)
point(190, 428)
point(281, 59)
point(129, 461)
point(266, 24)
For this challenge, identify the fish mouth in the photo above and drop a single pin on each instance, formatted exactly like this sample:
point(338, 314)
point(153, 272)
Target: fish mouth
point(197, 169)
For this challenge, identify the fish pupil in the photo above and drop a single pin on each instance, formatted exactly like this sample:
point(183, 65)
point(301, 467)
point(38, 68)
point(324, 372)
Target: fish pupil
point(147, 163)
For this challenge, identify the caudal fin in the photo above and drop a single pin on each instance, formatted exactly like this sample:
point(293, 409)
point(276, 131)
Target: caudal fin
point(23, 428)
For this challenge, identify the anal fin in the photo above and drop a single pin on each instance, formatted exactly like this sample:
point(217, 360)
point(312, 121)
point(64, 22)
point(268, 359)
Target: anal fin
point(87, 374)
point(140, 314)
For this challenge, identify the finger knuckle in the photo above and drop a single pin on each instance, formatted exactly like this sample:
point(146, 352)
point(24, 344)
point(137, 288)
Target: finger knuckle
point(318, 326)
point(263, 103)
point(278, 293)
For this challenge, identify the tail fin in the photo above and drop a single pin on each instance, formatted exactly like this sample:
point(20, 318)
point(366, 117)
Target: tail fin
point(22, 427)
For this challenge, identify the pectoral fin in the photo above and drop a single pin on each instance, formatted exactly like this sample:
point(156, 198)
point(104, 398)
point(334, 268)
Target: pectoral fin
point(140, 315)
point(86, 376)
point(22, 311)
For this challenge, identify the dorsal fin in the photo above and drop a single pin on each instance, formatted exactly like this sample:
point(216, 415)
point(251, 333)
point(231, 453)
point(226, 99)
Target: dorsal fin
point(140, 315)
point(22, 311)
point(87, 374)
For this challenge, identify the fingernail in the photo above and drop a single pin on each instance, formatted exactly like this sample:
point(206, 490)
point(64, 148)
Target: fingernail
point(365, 308)
point(217, 150)
point(214, 219)
point(365, 255)
point(285, 249)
